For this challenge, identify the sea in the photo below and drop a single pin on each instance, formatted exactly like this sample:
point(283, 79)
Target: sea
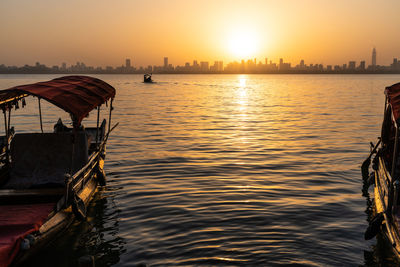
point(227, 170)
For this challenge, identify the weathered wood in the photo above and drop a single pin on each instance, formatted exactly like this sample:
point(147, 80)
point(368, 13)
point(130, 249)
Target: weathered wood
point(20, 196)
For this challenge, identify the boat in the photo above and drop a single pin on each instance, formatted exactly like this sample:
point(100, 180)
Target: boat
point(385, 174)
point(47, 179)
point(147, 78)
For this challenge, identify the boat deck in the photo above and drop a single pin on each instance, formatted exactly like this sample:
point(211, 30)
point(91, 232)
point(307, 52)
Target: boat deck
point(17, 221)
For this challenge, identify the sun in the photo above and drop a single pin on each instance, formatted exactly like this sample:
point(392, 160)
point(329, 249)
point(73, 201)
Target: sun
point(243, 43)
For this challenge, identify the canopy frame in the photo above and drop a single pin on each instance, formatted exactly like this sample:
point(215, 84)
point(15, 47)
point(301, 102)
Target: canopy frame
point(77, 95)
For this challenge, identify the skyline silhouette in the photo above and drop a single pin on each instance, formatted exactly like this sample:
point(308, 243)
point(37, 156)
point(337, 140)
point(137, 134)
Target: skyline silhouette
point(244, 66)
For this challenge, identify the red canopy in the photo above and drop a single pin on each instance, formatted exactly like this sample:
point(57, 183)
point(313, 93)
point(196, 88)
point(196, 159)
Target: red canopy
point(393, 95)
point(77, 95)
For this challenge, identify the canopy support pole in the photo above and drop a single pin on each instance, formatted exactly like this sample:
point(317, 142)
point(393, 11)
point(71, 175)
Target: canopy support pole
point(74, 136)
point(7, 134)
point(5, 123)
point(109, 117)
point(97, 128)
point(396, 142)
point(393, 173)
point(40, 115)
point(9, 122)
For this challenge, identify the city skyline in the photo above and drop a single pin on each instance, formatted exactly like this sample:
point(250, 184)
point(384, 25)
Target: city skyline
point(243, 66)
point(133, 63)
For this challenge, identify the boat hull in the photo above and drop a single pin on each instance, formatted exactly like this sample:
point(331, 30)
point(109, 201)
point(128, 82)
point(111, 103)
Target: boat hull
point(58, 222)
point(382, 199)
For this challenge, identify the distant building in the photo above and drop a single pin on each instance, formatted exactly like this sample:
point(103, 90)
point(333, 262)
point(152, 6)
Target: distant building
point(396, 64)
point(352, 65)
point(204, 66)
point(217, 67)
point(214, 67)
point(362, 65)
point(220, 66)
point(165, 62)
point(374, 57)
point(127, 63)
point(284, 66)
point(195, 66)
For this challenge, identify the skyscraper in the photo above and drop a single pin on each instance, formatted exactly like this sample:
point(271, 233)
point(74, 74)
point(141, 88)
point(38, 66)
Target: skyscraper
point(374, 57)
point(127, 63)
point(165, 62)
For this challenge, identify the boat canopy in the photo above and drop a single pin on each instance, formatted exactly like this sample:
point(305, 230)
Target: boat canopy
point(393, 98)
point(77, 95)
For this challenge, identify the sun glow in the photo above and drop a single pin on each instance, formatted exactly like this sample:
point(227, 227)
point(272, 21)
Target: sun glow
point(243, 43)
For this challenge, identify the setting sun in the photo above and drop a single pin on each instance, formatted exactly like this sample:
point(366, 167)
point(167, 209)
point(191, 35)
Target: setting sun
point(243, 43)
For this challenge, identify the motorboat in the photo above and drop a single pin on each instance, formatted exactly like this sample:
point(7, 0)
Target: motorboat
point(147, 78)
point(47, 179)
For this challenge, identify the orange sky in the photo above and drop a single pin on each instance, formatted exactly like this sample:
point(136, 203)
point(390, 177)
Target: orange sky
point(104, 32)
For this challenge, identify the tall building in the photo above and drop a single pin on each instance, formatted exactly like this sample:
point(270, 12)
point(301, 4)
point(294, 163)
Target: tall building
point(204, 66)
point(302, 65)
point(220, 66)
point(128, 63)
point(374, 57)
point(165, 62)
point(362, 65)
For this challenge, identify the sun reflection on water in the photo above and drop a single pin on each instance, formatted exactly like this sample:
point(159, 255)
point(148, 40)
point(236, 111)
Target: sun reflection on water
point(242, 93)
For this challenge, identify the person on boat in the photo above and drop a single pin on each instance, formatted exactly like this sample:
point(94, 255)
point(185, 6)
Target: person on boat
point(147, 78)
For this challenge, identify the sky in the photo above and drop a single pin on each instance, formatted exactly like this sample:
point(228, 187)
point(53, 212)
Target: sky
point(104, 32)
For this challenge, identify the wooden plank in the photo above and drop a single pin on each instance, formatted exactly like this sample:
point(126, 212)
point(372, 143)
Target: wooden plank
point(31, 192)
point(54, 221)
point(15, 197)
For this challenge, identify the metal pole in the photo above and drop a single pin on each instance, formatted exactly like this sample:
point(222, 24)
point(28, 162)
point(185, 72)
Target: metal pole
point(7, 134)
point(396, 141)
point(109, 118)
point(40, 115)
point(9, 120)
point(97, 128)
point(393, 174)
point(5, 123)
point(74, 137)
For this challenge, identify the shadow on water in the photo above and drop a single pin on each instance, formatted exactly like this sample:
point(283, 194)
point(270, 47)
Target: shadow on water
point(95, 239)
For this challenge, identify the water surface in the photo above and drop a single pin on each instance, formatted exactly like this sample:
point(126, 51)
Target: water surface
point(235, 170)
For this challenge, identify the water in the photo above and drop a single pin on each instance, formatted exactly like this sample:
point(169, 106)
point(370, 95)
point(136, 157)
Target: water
point(231, 170)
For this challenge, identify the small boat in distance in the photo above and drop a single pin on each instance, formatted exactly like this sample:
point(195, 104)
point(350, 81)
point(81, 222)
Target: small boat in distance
point(147, 78)
point(385, 175)
point(47, 179)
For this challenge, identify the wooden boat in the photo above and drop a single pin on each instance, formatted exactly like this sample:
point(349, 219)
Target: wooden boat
point(147, 78)
point(48, 178)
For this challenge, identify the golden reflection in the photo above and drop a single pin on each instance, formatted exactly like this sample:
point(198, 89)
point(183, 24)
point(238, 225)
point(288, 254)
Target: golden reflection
point(242, 93)
point(242, 82)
